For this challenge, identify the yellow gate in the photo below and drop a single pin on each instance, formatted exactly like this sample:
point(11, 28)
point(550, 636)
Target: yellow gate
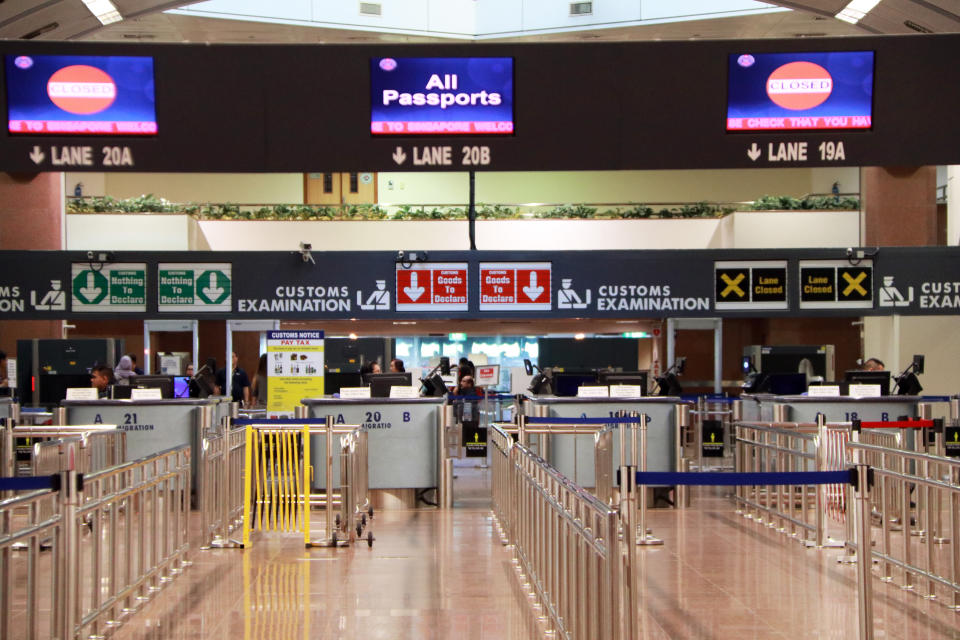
point(277, 481)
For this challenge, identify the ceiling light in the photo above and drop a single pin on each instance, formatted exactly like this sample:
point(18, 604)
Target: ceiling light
point(104, 10)
point(856, 10)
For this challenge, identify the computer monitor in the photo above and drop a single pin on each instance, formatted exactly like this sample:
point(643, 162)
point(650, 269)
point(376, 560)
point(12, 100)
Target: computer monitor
point(334, 380)
point(120, 392)
point(637, 378)
point(164, 383)
point(785, 384)
point(567, 383)
point(53, 386)
point(668, 385)
point(434, 386)
point(380, 383)
point(882, 378)
point(181, 386)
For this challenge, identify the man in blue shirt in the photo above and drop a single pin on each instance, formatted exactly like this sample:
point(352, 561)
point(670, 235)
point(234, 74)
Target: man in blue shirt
point(239, 384)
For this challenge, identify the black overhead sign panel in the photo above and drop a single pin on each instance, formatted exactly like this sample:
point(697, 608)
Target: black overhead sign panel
point(606, 106)
point(468, 284)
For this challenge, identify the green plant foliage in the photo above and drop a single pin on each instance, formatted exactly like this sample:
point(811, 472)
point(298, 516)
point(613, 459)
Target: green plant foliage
point(818, 203)
point(226, 211)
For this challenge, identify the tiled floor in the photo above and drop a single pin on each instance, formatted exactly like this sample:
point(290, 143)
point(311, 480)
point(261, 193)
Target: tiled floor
point(437, 574)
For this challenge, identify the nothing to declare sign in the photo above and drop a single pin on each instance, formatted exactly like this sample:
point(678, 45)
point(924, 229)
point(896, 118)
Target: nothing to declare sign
point(99, 287)
point(194, 287)
point(436, 286)
point(519, 286)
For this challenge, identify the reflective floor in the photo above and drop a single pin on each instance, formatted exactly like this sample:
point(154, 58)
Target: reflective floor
point(433, 574)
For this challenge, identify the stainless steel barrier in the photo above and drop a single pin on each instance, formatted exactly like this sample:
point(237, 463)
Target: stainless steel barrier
point(449, 437)
point(911, 546)
point(603, 464)
point(566, 544)
point(138, 518)
point(221, 489)
point(136, 514)
point(101, 446)
point(35, 590)
point(355, 504)
point(800, 511)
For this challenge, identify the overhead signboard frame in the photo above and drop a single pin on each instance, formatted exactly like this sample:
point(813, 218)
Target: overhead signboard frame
point(576, 106)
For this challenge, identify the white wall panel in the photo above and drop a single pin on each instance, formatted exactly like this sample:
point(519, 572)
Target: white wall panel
point(453, 16)
point(247, 9)
point(673, 9)
point(796, 229)
point(127, 232)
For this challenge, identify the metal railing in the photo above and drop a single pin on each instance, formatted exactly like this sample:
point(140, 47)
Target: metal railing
point(918, 546)
point(355, 504)
point(566, 542)
point(101, 446)
point(801, 511)
point(221, 488)
point(136, 515)
point(36, 590)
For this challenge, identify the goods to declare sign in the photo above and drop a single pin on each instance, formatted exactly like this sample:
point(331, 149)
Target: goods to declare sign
point(836, 284)
point(519, 286)
point(194, 287)
point(760, 284)
point(99, 287)
point(432, 286)
point(294, 369)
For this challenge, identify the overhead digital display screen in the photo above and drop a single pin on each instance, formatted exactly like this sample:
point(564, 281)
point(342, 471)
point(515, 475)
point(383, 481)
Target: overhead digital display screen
point(800, 91)
point(441, 96)
point(88, 95)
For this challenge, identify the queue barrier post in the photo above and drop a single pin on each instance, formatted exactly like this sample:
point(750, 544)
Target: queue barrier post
point(645, 538)
point(864, 555)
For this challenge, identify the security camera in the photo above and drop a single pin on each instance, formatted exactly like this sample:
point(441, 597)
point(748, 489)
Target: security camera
point(400, 255)
point(305, 255)
point(849, 252)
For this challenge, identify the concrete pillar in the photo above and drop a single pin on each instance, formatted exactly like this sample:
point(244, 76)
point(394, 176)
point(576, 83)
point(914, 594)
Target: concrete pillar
point(31, 218)
point(899, 206)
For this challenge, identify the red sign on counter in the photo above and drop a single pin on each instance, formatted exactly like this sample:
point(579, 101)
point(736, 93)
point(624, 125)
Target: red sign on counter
point(428, 286)
point(521, 286)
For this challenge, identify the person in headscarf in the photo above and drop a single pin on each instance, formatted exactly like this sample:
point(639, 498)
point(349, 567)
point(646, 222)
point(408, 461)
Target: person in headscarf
point(124, 371)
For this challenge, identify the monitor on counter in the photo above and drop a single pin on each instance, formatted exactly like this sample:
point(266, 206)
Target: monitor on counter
point(181, 386)
point(568, 383)
point(380, 383)
point(636, 378)
point(857, 376)
point(164, 383)
point(80, 94)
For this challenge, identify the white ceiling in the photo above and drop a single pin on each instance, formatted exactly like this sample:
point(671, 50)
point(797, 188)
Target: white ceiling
point(612, 21)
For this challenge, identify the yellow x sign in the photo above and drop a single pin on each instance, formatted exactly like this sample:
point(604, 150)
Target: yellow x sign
point(854, 283)
point(732, 285)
